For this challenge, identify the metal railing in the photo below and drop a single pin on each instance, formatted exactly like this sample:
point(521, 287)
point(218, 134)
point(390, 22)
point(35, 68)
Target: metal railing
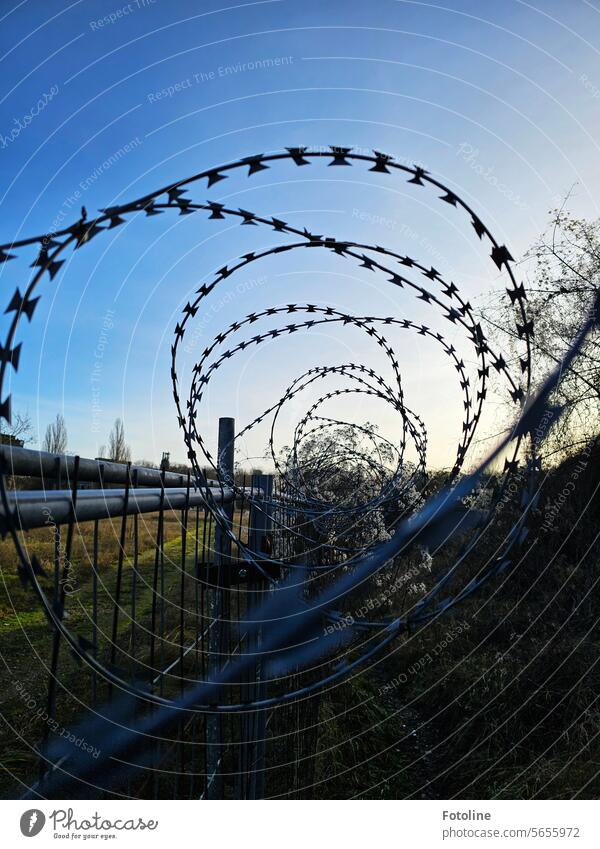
point(156, 591)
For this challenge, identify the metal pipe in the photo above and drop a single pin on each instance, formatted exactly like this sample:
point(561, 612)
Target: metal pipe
point(36, 509)
point(27, 462)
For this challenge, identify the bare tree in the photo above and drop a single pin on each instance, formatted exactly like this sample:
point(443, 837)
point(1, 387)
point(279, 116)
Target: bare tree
point(55, 439)
point(563, 270)
point(19, 432)
point(117, 450)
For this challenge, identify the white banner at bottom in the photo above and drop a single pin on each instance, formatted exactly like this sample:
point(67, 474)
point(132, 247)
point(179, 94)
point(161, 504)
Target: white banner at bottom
point(291, 824)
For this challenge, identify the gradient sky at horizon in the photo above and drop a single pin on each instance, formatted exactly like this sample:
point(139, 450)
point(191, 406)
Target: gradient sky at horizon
point(499, 101)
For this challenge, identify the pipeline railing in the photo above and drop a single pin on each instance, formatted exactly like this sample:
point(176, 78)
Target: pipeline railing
point(156, 592)
point(38, 508)
point(32, 463)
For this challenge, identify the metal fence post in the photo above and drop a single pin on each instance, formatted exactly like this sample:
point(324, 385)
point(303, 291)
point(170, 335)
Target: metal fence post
point(260, 541)
point(218, 641)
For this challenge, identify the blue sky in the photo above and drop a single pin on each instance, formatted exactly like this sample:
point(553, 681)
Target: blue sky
point(500, 100)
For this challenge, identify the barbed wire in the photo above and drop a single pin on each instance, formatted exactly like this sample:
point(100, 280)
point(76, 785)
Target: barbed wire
point(328, 565)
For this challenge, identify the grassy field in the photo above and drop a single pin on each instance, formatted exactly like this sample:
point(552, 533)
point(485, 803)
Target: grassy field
point(26, 638)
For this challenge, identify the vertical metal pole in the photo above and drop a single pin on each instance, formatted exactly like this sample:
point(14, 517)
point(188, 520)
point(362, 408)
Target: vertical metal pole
point(218, 642)
point(153, 626)
point(134, 577)
point(261, 527)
